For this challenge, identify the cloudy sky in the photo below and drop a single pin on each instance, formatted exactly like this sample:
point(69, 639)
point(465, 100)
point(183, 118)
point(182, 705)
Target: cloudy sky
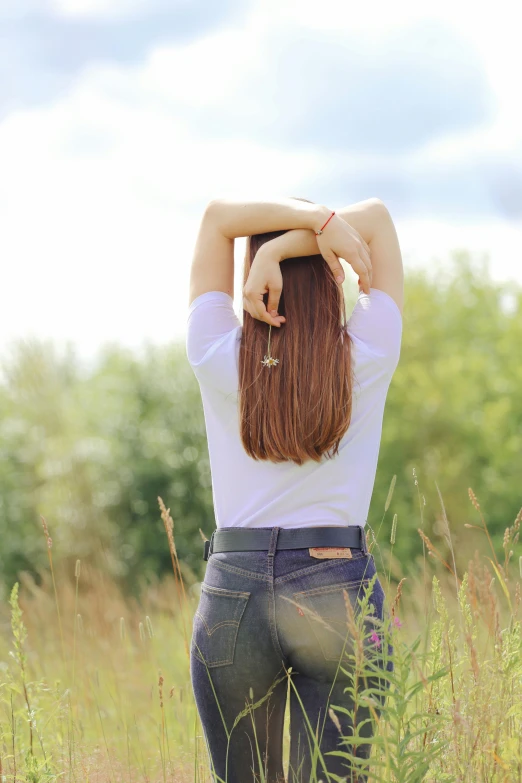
point(121, 119)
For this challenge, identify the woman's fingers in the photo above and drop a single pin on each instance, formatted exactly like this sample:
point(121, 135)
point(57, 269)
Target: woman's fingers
point(255, 307)
point(335, 265)
point(254, 304)
point(341, 240)
point(365, 258)
point(274, 295)
point(359, 262)
point(361, 269)
point(364, 253)
point(264, 277)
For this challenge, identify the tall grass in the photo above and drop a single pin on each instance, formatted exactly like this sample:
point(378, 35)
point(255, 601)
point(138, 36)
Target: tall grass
point(96, 687)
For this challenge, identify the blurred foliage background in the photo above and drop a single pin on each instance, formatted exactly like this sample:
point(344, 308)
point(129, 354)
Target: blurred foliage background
point(91, 451)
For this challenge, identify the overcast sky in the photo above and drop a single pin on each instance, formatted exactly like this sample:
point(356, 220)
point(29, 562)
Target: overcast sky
point(121, 119)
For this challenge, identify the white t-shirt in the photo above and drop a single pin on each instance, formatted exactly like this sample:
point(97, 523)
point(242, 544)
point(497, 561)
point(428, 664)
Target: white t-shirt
point(335, 491)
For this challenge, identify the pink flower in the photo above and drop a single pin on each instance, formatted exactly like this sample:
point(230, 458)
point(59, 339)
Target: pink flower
point(397, 622)
point(375, 638)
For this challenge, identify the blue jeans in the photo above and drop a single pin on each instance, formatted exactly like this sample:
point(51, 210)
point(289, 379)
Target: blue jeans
point(260, 613)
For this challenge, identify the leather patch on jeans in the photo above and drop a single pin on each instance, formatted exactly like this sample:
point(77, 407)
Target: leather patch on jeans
point(323, 552)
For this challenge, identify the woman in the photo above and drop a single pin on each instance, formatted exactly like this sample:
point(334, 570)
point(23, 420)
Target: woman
point(293, 417)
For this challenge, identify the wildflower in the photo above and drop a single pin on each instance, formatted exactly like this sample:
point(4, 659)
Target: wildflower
point(269, 361)
point(397, 622)
point(374, 637)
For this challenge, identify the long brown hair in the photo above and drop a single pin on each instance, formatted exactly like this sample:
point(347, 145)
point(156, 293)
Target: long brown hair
point(300, 408)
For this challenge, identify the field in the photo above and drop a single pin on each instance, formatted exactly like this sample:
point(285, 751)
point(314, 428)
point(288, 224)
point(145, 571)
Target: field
point(95, 686)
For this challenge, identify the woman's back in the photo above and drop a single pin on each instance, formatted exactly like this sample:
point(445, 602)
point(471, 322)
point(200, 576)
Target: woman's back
point(334, 491)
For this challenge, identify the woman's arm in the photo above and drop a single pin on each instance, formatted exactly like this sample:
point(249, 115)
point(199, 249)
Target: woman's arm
point(245, 218)
point(303, 242)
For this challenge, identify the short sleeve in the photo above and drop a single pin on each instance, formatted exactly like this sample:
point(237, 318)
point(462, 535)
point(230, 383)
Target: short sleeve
point(376, 323)
point(210, 318)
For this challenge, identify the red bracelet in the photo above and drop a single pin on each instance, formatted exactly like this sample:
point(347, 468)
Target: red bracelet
point(321, 229)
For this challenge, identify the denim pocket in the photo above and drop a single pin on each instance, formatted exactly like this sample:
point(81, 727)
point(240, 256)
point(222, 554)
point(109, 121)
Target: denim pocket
point(216, 625)
point(327, 614)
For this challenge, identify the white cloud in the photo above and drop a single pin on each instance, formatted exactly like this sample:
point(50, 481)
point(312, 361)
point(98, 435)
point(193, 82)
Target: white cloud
point(108, 9)
point(201, 74)
point(496, 36)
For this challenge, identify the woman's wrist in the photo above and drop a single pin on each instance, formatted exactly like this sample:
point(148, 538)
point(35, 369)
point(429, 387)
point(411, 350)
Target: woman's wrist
point(294, 243)
point(322, 214)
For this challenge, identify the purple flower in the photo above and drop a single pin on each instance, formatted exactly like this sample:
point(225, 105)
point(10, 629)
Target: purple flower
point(397, 622)
point(374, 637)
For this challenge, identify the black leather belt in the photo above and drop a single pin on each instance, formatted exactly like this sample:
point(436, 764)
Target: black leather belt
point(243, 539)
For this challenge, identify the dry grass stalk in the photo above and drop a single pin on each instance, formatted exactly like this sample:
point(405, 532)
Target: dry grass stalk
point(433, 551)
point(335, 719)
point(397, 598)
point(169, 527)
point(484, 527)
point(49, 547)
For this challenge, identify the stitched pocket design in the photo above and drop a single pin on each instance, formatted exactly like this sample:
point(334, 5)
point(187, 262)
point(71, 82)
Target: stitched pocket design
point(216, 625)
point(326, 612)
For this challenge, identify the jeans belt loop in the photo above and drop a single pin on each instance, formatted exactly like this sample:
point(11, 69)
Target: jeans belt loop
point(364, 541)
point(273, 541)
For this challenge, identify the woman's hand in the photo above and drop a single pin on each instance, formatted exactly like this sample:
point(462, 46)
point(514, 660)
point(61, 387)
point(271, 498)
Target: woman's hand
point(264, 276)
point(341, 240)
